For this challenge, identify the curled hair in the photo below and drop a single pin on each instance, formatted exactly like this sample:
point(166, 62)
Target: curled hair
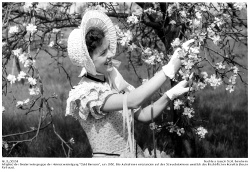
point(94, 39)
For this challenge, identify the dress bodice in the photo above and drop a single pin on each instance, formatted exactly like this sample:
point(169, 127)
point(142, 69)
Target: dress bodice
point(104, 130)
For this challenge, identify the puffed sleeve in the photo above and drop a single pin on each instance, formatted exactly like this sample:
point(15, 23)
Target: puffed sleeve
point(86, 99)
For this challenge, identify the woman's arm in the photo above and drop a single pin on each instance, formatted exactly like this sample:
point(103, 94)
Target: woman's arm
point(136, 97)
point(145, 91)
point(144, 115)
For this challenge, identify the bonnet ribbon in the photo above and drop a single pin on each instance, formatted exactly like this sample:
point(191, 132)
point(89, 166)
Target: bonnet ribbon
point(129, 119)
point(120, 84)
point(117, 81)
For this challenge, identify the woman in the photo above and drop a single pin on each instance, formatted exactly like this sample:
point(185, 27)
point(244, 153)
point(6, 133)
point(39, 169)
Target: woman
point(102, 98)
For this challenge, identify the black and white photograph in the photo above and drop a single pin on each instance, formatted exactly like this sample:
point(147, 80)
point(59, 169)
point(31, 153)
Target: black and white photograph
point(83, 80)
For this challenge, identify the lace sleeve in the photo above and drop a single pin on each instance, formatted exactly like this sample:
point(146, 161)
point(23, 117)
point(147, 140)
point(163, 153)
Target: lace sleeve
point(87, 98)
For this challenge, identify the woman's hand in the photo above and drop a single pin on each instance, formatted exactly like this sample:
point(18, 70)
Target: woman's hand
point(179, 89)
point(174, 64)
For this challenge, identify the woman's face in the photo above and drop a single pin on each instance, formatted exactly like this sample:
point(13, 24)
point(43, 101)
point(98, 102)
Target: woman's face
point(101, 57)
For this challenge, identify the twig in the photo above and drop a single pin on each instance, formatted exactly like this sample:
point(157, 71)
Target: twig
point(69, 148)
point(26, 132)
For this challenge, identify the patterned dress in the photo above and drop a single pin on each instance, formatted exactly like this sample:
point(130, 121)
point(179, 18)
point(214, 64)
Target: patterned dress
point(105, 131)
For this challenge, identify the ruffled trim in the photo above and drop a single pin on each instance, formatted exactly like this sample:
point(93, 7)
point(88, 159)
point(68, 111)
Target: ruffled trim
point(87, 98)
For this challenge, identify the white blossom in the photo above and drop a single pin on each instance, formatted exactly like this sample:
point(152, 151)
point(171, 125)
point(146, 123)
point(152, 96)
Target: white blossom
point(212, 26)
point(21, 75)
point(210, 31)
point(159, 57)
point(150, 60)
point(203, 8)
point(171, 130)
point(5, 145)
point(32, 81)
point(61, 42)
point(220, 65)
point(230, 88)
point(128, 34)
point(125, 38)
point(72, 141)
point(172, 22)
point(219, 21)
point(201, 132)
point(191, 98)
point(17, 52)
point(177, 104)
point(198, 15)
point(26, 101)
point(232, 79)
point(183, 14)
point(132, 19)
point(202, 36)
point(204, 74)
point(4, 44)
point(132, 47)
point(185, 74)
point(195, 50)
point(28, 63)
point(216, 39)
point(11, 78)
point(171, 123)
point(31, 28)
point(171, 9)
point(23, 57)
point(123, 41)
point(117, 29)
point(188, 112)
point(188, 64)
point(51, 44)
point(34, 91)
point(235, 69)
point(196, 22)
point(176, 42)
point(34, 64)
point(239, 5)
point(3, 108)
point(180, 131)
point(56, 30)
point(214, 82)
point(19, 103)
point(201, 85)
point(28, 5)
point(147, 51)
point(100, 8)
point(150, 10)
point(13, 29)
